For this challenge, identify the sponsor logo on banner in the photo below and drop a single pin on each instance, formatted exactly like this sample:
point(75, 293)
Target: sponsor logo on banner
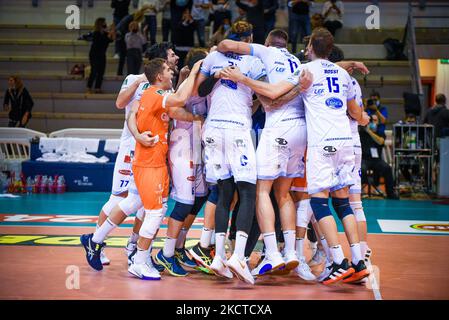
point(438, 227)
point(83, 182)
point(414, 226)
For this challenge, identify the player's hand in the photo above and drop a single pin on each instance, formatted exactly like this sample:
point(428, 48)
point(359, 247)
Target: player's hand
point(360, 66)
point(364, 120)
point(196, 67)
point(232, 73)
point(145, 138)
point(199, 118)
point(184, 72)
point(305, 80)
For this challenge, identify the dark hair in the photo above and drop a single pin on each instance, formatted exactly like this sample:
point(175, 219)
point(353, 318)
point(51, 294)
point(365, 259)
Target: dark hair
point(194, 55)
point(98, 26)
point(159, 50)
point(322, 42)
point(440, 98)
point(153, 68)
point(278, 38)
point(336, 55)
point(375, 94)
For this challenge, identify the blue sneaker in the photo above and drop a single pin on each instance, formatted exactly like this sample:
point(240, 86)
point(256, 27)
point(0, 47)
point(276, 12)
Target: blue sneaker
point(157, 266)
point(93, 251)
point(183, 258)
point(171, 264)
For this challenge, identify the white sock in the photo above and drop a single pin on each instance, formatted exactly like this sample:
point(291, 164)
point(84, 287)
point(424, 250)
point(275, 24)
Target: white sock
point(206, 237)
point(181, 238)
point(133, 237)
point(269, 239)
point(326, 248)
point(356, 253)
point(363, 248)
point(240, 244)
point(300, 247)
point(141, 256)
point(289, 240)
point(169, 247)
point(102, 232)
point(212, 237)
point(337, 254)
point(220, 239)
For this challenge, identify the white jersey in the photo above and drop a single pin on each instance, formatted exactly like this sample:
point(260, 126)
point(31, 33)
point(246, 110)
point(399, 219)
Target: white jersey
point(130, 79)
point(281, 65)
point(326, 105)
point(197, 106)
point(231, 103)
point(359, 100)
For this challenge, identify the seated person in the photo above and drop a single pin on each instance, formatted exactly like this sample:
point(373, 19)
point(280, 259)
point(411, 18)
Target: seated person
point(372, 143)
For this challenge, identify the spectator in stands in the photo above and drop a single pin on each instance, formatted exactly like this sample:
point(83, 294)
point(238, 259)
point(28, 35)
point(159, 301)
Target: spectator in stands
point(177, 9)
point(18, 102)
point(254, 15)
point(221, 33)
point(121, 10)
point(200, 11)
point(164, 7)
point(269, 10)
point(102, 36)
point(298, 21)
point(150, 19)
point(374, 106)
point(241, 16)
point(122, 29)
point(184, 36)
point(438, 116)
point(220, 12)
point(333, 15)
point(373, 141)
point(135, 42)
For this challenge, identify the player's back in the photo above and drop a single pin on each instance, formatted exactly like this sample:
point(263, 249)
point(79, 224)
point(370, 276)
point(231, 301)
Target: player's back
point(152, 116)
point(231, 103)
point(326, 105)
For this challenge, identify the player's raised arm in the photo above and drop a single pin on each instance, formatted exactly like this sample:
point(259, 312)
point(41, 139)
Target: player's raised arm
point(179, 98)
point(239, 47)
point(127, 91)
point(145, 138)
point(350, 66)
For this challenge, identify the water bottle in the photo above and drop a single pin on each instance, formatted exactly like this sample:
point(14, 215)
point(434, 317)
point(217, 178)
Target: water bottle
point(50, 185)
point(37, 183)
point(43, 185)
point(30, 185)
point(413, 141)
point(60, 185)
point(3, 183)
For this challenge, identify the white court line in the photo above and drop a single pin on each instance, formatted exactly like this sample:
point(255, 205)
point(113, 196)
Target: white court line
point(373, 281)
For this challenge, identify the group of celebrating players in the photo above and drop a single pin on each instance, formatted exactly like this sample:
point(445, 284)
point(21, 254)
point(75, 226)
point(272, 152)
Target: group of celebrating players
point(214, 158)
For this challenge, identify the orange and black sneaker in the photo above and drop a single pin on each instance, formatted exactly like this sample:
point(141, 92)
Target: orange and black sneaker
point(338, 272)
point(360, 273)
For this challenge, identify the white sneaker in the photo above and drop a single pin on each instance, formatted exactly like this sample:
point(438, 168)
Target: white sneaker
point(220, 268)
point(272, 261)
point(103, 258)
point(240, 269)
point(318, 258)
point(144, 271)
point(303, 270)
point(130, 251)
point(291, 260)
point(326, 271)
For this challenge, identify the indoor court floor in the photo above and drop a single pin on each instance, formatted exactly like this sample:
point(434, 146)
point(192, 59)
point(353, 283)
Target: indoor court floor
point(40, 254)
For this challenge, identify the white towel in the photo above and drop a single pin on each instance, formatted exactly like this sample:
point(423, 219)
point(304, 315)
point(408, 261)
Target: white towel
point(68, 145)
point(112, 145)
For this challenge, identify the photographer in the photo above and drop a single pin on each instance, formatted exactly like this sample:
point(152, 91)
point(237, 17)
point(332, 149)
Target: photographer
point(374, 107)
point(373, 142)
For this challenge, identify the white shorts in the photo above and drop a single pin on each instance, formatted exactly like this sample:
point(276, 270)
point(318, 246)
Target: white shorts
point(356, 188)
point(123, 166)
point(229, 153)
point(280, 152)
point(187, 177)
point(329, 168)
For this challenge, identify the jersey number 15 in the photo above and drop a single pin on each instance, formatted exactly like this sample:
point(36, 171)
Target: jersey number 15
point(333, 85)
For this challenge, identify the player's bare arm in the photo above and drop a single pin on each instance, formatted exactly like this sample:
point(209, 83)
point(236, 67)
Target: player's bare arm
point(181, 114)
point(126, 95)
point(350, 66)
point(357, 113)
point(179, 98)
point(239, 47)
point(145, 138)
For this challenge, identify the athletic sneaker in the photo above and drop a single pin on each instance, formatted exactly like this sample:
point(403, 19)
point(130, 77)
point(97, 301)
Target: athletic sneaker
point(303, 270)
point(240, 269)
point(291, 260)
point(220, 268)
point(157, 266)
point(269, 263)
point(144, 271)
point(130, 248)
point(104, 259)
point(318, 258)
point(339, 272)
point(93, 251)
point(326, 271)
point(368, 254)
point(171, 264)
point(202, 256)
point(360, 273)
point(184, 259)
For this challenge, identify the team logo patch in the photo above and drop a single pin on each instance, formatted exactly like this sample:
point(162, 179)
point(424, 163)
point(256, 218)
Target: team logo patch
point(334, 103)
point(240, 143)
point(210, 140)
point(243, 160)
point(127, 159)
point(330, 149)
point(164, 117)
point(228, 83)
point(125, 172)
point(281, 141)
point(191, 178)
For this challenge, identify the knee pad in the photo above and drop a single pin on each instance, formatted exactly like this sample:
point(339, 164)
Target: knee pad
point(213, 195)
point(303, 213)
point(110, 204)
point(151, 224)
point(140, 214)
point(357, 208)
point(320, 208)
point(198, 205)
point(130, 204)
point(342, 207)
point(180, 211)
